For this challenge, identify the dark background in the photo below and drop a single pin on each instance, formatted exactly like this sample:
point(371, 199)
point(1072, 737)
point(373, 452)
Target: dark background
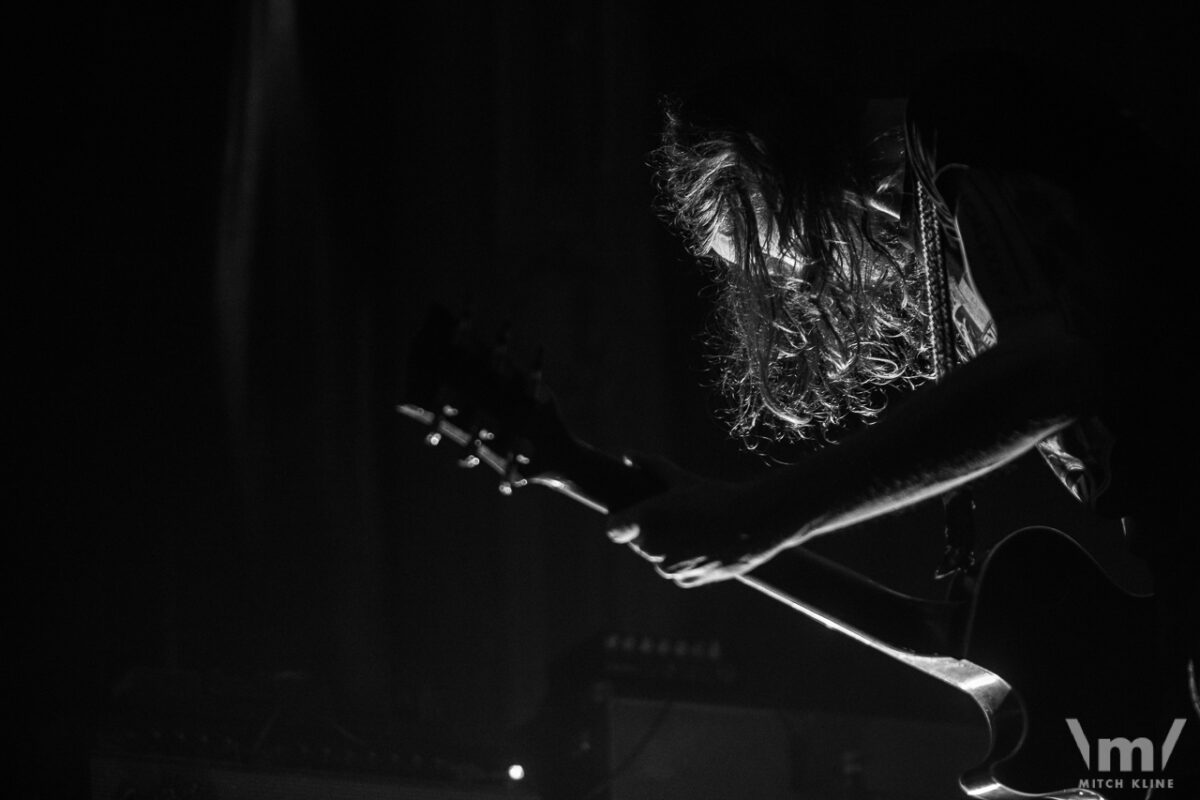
point(239, 216)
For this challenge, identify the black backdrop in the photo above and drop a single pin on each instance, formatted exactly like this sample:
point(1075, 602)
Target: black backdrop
point(238, 217)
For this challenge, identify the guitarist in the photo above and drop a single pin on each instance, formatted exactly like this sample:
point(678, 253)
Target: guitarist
point(1013, 252)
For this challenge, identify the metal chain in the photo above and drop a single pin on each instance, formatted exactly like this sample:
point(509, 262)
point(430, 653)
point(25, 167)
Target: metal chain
point(937, 291)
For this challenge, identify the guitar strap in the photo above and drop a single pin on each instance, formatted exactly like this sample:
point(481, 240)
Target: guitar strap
point(958, 505)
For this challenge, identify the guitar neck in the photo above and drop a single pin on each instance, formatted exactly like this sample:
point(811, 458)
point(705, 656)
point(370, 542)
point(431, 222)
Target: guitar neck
point(815, 586)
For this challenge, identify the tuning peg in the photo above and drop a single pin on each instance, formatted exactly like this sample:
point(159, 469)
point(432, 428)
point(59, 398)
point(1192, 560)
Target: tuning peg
point(434, 437)
point(512, 478)
point(479, 442)
point(510, 475)
point(508, 487)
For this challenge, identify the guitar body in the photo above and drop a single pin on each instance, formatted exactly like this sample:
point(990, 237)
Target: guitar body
point(1073, 646)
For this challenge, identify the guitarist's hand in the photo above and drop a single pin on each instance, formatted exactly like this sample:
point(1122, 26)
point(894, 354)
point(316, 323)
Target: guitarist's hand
point(697, 531)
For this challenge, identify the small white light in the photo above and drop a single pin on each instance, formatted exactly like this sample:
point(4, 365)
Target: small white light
point(516, 772)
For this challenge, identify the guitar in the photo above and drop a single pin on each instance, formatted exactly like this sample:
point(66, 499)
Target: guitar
point(1042, 689)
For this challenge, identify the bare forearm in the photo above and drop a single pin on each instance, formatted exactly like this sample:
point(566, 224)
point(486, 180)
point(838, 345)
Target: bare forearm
point(987, 413)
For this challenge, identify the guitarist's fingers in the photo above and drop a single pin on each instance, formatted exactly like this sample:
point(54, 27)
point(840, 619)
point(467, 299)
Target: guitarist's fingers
point(653, 559)
point(623, 533)
point(675, 571)
point(690, 581)
point(630, 534)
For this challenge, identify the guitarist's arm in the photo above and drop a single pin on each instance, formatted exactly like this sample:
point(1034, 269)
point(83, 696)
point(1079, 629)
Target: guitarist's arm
point(987, 413)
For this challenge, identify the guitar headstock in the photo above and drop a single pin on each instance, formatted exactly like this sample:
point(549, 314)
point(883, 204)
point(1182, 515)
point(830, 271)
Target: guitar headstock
point(472, 395)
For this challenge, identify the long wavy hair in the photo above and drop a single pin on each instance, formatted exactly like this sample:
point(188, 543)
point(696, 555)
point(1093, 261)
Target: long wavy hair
point(776, 169)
